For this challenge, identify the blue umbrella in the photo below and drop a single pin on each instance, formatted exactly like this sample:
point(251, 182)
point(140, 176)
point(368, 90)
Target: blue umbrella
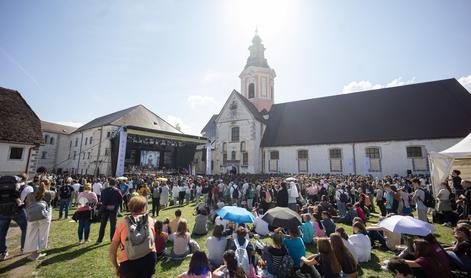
point(236, 214)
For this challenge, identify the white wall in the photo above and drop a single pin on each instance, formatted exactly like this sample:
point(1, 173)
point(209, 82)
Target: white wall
point(13, 166)
point(393, 156)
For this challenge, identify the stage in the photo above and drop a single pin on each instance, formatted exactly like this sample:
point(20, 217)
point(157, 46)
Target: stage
point(144, 151)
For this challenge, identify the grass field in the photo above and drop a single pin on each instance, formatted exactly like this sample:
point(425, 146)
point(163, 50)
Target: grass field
point(65, 258)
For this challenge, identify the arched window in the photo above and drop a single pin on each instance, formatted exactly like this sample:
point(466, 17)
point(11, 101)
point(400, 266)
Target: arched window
point(233, 155)
point(251, 90)
point(46, 139)
point(51, 141)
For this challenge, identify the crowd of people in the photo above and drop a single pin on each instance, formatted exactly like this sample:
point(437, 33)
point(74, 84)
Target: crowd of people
point(141, 237)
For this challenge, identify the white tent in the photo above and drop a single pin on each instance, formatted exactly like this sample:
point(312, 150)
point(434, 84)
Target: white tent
point(456, 157)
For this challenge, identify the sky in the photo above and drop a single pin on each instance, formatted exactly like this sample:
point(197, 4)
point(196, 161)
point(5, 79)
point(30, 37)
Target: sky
point(74, 61)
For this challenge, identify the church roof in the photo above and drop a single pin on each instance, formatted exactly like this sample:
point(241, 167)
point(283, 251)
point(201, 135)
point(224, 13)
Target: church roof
point(209, 129)
point(252, 109)
point(19, 123)
point(430, 110)
point(138, 116)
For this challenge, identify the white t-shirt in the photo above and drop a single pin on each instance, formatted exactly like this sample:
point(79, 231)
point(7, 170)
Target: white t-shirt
point(26, 190)
point(97, 188)
point(216, 248)
point(76, 186)
point(362, 246)
point(261, 226)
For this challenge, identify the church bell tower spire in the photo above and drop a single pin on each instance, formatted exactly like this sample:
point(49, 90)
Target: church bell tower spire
point(257, 78)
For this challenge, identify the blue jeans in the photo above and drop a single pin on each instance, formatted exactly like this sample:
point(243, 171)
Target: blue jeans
point(64, 205)
point(341, 206)
point(463, 263)
point(84, 228)
point(20, 219)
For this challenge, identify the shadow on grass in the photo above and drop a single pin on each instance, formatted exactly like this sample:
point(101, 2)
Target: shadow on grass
point(69, 255)
point(373, 264)
point(169, 264)
point(18, 263)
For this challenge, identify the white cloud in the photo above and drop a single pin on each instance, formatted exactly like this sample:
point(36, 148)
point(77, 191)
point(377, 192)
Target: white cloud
point(198, 101)
point(74, 124)
point(466, 82)
point(173, 120)
point(364, 85)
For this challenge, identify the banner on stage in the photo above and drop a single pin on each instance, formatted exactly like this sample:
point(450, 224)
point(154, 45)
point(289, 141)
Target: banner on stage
point(123, 140)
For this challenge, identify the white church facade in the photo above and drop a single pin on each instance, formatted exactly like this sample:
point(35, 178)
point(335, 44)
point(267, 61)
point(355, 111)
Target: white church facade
point(379, 132)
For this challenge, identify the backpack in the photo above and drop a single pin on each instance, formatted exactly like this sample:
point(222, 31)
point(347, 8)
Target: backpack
point(242, 255)
point(235, 193)
point(286, 266)
point(428, 201)
point(140, 239)
point(8, 196)
point(36, 210)
point(343, 197)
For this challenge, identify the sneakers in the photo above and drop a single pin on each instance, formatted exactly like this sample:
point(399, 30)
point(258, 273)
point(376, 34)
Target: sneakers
point(3, 256)
point(98, 242)
point(82, 241)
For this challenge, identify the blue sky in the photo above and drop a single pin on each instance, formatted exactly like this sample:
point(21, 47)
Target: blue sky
point(77, 60)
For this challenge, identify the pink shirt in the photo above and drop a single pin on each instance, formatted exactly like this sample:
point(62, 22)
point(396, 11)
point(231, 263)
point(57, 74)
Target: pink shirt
point(318, 232)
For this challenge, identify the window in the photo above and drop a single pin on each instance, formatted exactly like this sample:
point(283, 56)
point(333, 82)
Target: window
point(75, 155)
point(335, 156)
point(108, 134)
point(86, 140)
point(51, 141)
point(373, 159)
point(251, 90)
point(107, 151)
point(235, 134)
point(242, 146)
point(83, 155)
point(302, 160)
point(76, 142)
point(68, 156)
point(419, 160)
point(43, 155)
point(245, 158)
point(271, 94)
point(273, 164)
point(212, 165)
point(70, 144)
point(16, 153)
point(233, 155)
point(224, 153)
point(91, 140)
point(88, 155)
point(46, 139)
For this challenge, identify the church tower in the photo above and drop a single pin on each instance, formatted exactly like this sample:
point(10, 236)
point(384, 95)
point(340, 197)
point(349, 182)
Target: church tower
point(257, 78)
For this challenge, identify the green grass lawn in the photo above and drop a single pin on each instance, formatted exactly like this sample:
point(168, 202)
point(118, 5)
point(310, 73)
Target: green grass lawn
point(65, 258)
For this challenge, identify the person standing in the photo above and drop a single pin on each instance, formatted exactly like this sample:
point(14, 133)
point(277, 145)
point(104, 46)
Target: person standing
point(156, 191)
point(12, 198)
point(97, 187)
point(380, 200)
point(76, 187)
point(111, 199)
point(444, 203)
point(86, 200)
point(65, 196)
point(341, 198)
point(164, 192)
point(419, 198)
point(39, 215)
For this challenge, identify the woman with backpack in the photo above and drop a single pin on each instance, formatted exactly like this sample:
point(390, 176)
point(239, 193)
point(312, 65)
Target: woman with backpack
point(39, 216)
point(86, 200)
point(135, 234)
point(277, 261)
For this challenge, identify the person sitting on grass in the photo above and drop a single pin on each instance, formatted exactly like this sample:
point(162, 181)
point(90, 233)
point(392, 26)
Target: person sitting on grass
point(400, 268)
point(307, 229)
point(427, 263)
point(328, 224)
point(327, 263)
point(319, 230)
point(344, 256)
point(216, 245)
point(201, 223)
point(349, 216)
point(460, 253)
point(181, 241)
point(173, 225)
point(275, 256)
point(161, 238)
point(198, 268)
point(230, 268)
point(240, 241)
point(361, 242)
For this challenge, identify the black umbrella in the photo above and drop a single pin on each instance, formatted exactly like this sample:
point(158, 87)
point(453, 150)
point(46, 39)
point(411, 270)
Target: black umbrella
point(282, 217)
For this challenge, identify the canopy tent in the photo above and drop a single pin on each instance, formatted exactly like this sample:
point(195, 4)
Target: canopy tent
point(456, 157)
